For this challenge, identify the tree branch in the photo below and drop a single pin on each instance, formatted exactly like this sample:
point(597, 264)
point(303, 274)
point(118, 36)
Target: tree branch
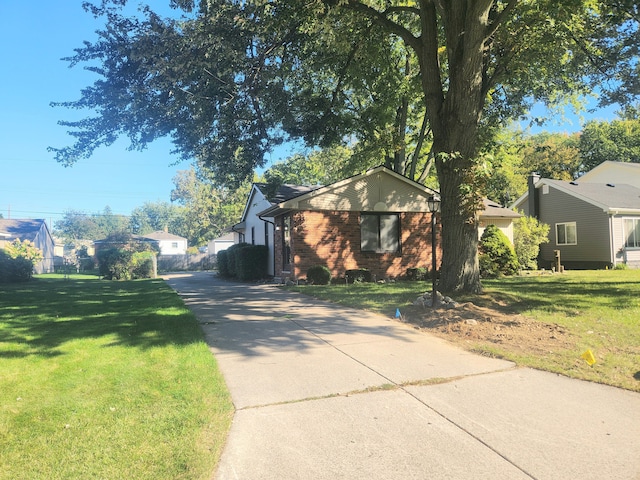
point(500, 18)
point(382, 18)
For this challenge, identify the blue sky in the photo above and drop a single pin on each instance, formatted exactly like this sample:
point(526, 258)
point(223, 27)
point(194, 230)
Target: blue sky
point(34, 36)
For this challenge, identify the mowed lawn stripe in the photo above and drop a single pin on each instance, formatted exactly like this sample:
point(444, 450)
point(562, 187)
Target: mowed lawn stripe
point(104, 379)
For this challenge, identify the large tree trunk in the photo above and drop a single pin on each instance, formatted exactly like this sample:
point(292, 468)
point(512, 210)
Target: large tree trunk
point(455, 114)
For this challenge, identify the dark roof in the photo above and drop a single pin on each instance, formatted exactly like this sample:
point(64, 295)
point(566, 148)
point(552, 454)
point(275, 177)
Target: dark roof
point(11, 229)
point(494, 209)
point(605, 194)
point(287, 192)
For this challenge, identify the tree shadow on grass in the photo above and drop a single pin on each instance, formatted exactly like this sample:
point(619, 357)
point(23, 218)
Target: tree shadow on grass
point(41, 316)
point(560, 294)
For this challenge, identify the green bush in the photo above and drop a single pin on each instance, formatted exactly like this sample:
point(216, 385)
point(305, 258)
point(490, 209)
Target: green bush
point(497, 256)
point(233, 254)
point(528, 235)
point(319, 275)
point(419, 273)
point(244, 262)
point(17, 261)
point(22, 269)
point(142, 265)
point(251, 262)
point(114, 263)
point(358, 275)
point(14, 269)
point(223, 264)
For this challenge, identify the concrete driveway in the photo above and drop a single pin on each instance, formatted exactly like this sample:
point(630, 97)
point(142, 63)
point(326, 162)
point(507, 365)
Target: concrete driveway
point(326, 392)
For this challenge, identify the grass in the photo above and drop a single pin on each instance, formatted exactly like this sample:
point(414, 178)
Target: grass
point(599, 309)
point(104, 379)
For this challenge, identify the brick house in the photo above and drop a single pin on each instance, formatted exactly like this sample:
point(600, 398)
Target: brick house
point(378, 220)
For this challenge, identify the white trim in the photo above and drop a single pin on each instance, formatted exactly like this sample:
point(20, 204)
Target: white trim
point(565, 233)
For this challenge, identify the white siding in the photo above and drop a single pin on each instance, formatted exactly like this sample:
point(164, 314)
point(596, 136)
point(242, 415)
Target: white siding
point(504, 224)
point(256, 204)
point(614, 172)
point(630, 256)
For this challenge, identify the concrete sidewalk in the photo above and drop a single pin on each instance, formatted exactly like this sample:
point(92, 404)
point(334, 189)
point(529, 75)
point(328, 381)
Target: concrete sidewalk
point(322, 391)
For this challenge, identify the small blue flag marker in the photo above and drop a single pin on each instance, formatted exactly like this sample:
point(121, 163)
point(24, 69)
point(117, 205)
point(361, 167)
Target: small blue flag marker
point(398, 315)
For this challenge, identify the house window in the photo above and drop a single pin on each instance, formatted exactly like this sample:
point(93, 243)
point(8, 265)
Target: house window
point(379, 232)
point(253, 235)
point(174, 245)
point(566, 234)
point(632, 232)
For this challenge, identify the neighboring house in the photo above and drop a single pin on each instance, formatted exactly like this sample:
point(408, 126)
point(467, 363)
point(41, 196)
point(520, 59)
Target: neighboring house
point(501, 217)
point(221, 243)
point(35, 231)
point(252, 229)
point(168, 243)
point(377, 220)
point(258, 230)
point(614, 172)
point(593, 225)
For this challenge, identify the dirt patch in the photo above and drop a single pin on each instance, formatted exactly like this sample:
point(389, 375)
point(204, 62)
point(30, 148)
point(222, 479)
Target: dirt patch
point(482, 327)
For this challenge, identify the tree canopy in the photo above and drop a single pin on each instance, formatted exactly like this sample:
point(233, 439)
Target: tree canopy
point(416, 82)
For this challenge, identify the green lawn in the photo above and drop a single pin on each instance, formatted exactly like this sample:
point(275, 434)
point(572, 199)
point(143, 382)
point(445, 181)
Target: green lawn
point(600, 310)
point(103, 379)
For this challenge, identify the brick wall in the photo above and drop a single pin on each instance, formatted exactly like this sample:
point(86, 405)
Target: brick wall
point(333, 239)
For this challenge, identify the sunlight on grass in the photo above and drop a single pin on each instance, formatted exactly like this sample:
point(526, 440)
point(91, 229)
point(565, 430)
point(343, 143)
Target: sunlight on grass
point(106, 381)
point(600, 309)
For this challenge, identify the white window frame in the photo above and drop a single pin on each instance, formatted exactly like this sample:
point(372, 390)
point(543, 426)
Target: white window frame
point(635, 221)
point(565, 225)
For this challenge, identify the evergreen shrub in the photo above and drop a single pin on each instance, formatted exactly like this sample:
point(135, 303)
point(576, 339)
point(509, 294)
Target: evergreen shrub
point(497, 255)
point(319, 275)
point(358, 275)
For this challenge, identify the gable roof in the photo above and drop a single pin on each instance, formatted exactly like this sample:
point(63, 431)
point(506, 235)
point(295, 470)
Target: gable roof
point(11, 229)
point(161, 235)
point(287, 192)
point(350, 193)
point(256, 188)
point(614, 172)
point(495, 210)
point(611, 198)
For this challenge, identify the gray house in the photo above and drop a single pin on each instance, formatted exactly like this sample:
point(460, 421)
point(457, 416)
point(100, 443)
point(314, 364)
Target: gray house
point(35, 231)
point(593, 225)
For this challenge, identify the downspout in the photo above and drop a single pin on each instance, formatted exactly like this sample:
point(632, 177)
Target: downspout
point(273, 242)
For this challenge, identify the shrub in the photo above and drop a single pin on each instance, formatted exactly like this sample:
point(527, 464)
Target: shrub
point(419, 273)
point(114, 263)
point(358, 275)
point(244, 261)
point(26, 250)
point(17, 261)
point(319, 275)
point(18, 269)
point(22, 270)
point(233, 253)
point(142, 265)
point(223, 264)
point(497, 256)
point(251, 262)
point(528, 235)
